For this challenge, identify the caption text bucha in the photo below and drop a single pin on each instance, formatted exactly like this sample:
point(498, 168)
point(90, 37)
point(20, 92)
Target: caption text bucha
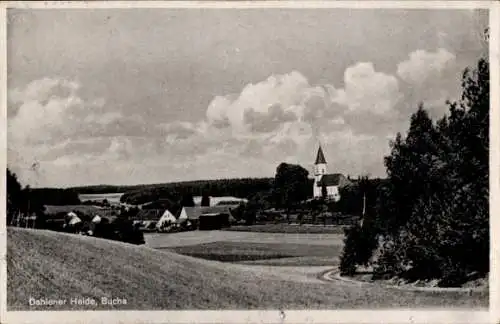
point(88, 301)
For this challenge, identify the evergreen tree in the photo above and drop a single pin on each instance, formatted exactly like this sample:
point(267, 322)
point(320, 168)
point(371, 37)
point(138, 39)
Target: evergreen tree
point(205, 199)
point(187, 200)
point(434, 208)
point(13, 196)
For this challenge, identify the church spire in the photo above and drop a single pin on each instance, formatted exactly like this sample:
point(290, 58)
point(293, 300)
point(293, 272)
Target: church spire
point(320, 158)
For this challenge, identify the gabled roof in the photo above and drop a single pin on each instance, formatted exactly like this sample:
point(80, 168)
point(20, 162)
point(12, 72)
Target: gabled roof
point(224, 209)
point(148, 214)
point(168, 214)
point(196, 212)
point(193, 212)
point(335, 179)
point(231, 203)
point(320, 157)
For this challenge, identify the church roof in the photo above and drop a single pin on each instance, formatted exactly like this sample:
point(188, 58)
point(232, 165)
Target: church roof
point(335, 179)
point(320, 158)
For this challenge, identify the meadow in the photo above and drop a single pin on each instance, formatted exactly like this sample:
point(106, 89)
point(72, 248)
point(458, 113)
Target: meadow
point(270, 253)
point(288, 228)
point(253, 248)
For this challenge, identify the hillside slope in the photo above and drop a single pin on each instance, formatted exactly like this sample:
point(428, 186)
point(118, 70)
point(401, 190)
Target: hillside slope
point(44, 264)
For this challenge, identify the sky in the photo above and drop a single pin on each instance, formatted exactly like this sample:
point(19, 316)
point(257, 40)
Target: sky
point(130, 96)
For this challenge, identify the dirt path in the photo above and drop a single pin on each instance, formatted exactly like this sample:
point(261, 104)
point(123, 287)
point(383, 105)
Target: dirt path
point(305, 274)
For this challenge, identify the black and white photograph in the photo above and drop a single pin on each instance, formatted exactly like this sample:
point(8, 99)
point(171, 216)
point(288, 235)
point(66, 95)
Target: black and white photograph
point(245, 158)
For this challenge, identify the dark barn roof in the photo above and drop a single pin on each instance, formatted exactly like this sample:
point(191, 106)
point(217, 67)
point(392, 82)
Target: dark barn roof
point(336, 179)
point(195, 212)
point(148, 214)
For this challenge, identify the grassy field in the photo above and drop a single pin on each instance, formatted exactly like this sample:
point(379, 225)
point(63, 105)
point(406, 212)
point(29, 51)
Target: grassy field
point(242, 251)
point(290, 229)
point(164, 240)
point(57, 265)
point(253, 248)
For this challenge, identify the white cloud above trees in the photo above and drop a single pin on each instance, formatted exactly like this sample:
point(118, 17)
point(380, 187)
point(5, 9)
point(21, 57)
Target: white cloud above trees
point(423, 65)
point(430, 77)
point(280, 118)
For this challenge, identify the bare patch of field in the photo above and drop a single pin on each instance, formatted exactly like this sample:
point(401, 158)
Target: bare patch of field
point(243, 251)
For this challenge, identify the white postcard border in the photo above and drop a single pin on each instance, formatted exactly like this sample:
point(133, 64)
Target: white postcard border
point(290, 316)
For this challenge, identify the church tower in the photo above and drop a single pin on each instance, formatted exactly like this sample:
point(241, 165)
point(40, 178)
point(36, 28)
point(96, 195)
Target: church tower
point(319, 165)
point(319, 172)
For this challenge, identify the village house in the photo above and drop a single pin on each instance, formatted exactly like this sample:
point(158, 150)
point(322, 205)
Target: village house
point(205, 218)
point(166, 220)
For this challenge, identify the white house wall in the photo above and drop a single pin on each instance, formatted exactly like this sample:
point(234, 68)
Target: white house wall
point(332, 192)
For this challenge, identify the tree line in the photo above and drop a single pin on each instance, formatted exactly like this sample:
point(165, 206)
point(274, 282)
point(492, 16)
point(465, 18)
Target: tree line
point(28, 200)
point(241, 188)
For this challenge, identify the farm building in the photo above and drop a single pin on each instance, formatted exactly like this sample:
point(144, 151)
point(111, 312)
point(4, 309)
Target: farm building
point(221, 200)
point(61, 217)
point(88, 220)
point(148, 215)
point(230, 204)
point(65, 209)
point(165, 220)
point(147, 219)
point(215, 217)
point(56, 216)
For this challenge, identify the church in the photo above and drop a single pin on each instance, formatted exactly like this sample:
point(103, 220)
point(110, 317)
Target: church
point(332, 182)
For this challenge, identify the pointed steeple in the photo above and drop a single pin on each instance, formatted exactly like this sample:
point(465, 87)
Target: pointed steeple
point(320, 158)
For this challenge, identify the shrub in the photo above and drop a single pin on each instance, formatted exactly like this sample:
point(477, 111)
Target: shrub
point(359, 245)
point(127, 233)
point(348, 259)
point(388, 263)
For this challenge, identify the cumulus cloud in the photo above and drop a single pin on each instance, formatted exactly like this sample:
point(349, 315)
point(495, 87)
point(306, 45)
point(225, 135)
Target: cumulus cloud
point(431, 78)
point(285, 116)
point(366, 90)
point(48, 109)
point(178, 130)
point(51, 122)
point(281, 118)
point(262, 106)
point(289, 99)
point(269, 121)
point(422, 65)
point(43, 90)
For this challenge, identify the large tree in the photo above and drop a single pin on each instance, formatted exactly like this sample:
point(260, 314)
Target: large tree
point(291, 185)
point(435, 207)
point(432, 211)
point(411, 167)
point(187, 200)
